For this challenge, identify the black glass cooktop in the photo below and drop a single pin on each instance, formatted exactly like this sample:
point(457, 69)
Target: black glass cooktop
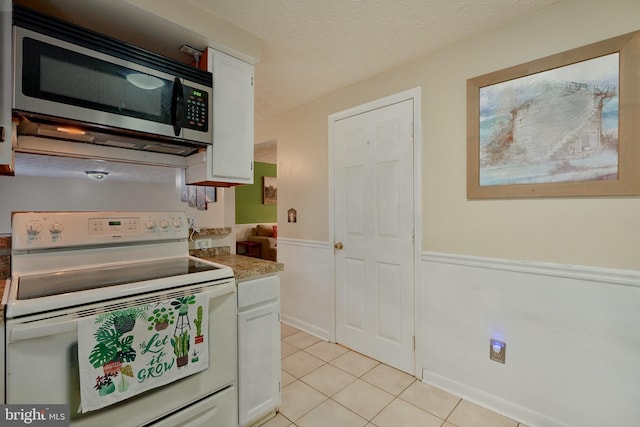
point(42, 285)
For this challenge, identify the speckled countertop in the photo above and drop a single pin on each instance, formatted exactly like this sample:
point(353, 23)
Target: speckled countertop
point(244, 267)
point(5, 256)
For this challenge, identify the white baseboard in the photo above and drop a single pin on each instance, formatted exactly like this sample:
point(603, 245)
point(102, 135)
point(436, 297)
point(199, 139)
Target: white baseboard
point(306, 327)
point(501, 406)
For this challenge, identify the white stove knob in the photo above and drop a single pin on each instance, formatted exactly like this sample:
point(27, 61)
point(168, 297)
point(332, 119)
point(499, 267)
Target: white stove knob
point(56, 228)
point(164, 224)
point(149, 225)
point(34, 229)
point(177, 223)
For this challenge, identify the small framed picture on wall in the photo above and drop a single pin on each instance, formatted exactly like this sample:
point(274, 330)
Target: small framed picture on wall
point(269, 190)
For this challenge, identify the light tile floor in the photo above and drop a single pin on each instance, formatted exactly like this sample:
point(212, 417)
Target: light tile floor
point(327, 384)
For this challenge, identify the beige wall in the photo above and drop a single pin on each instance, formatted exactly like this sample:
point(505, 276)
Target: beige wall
point(585, 231)
point(217, 33)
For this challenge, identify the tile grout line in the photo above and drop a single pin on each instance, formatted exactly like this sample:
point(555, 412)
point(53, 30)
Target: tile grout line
point(395, 396)
point(378, 363)
point(301, 416)
point(452, 411)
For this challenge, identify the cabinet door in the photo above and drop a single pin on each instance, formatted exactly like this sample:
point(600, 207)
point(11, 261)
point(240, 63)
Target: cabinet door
point(231, 159)
point(259, 361)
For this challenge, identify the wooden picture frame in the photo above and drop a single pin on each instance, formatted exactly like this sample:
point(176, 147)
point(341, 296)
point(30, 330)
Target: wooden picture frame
point(538, 135)
point(269, 190)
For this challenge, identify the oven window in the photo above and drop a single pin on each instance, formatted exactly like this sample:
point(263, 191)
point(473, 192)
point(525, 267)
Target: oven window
point(42, 285)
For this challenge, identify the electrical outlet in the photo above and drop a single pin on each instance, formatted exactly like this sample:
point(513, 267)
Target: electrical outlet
point(497, 350)
point(203, 243)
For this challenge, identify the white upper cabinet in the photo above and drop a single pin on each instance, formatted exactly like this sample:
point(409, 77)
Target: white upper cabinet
point(230, 160)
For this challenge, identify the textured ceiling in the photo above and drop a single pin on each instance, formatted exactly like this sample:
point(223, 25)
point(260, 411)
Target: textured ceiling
point(313, 47)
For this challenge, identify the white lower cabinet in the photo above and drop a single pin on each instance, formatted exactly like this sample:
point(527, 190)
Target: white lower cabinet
point(258, 348)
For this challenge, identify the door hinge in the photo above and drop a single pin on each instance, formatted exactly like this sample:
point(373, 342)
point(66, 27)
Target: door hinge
point(414, 343)
point(251, 81)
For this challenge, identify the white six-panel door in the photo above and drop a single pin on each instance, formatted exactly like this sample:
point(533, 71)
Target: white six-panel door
point(374, 233)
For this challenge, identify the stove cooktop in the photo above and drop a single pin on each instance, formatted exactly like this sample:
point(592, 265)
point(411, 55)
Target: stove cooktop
point(62, 282)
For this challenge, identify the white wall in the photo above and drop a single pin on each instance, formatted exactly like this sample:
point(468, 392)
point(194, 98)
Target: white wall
point(572, 335)
point(24, 193)
point(306, 290)
point(571, 331)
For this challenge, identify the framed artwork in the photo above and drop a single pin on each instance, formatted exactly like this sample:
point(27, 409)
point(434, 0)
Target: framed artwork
point(211, 194)
point(292, 215)
point(564, 125)
point(269, 190)
point(196, 196)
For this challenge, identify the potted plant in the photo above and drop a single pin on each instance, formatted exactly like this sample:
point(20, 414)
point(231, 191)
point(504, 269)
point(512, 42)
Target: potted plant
point(180, 344)
point(105, 385)
point(122, 320)
point(160, 319)
point(198, 321)
point(125, 371)
point(182, 304)
point(111, 349)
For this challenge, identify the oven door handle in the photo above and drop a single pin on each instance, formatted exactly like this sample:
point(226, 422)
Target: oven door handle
point(24, 332)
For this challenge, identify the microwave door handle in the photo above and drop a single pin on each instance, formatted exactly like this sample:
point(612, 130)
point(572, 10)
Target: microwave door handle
point(177, 107)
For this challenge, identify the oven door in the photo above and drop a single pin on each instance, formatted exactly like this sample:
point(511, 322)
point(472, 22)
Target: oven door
point(42, 365)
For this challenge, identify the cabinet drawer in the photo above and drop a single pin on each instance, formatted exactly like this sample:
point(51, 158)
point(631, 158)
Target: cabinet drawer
point(258, 291)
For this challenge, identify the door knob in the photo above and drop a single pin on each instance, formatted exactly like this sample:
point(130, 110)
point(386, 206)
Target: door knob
point(338, 246)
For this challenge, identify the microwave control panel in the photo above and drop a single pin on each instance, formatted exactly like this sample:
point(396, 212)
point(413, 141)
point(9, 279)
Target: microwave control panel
point(196, 109)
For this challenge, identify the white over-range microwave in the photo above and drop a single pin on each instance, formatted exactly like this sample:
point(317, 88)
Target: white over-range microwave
point(75, 84)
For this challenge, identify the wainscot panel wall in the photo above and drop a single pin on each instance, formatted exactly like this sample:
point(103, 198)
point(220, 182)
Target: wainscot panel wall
point(573, 346)
point(306, 288)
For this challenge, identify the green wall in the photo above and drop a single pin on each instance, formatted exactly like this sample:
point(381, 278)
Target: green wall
point(249, 207)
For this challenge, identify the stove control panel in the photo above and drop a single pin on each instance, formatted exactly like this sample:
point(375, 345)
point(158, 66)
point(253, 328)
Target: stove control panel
point(42, 230)
point(102, 226)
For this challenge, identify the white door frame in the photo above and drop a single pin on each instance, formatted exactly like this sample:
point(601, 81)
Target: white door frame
point(414, 94)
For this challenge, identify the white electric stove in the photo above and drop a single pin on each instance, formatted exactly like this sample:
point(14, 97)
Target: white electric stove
point(69, 265)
